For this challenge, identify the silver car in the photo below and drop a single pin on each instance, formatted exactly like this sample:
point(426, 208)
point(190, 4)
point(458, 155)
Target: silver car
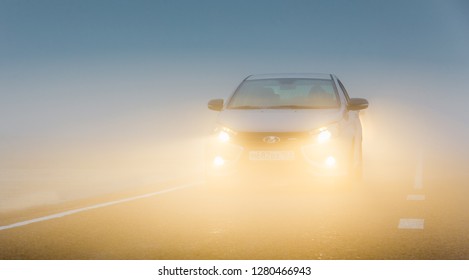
point(287, 123)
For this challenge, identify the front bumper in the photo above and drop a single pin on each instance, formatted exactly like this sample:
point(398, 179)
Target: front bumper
point(294, 153)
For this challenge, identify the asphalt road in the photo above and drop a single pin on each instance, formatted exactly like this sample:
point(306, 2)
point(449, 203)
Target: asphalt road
point(402, 210)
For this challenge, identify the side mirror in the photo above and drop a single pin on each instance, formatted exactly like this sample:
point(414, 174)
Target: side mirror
point(356, 104)
point(215, 104)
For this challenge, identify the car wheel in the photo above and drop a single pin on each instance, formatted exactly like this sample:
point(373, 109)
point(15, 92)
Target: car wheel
point(357, 167)
point(355, 170)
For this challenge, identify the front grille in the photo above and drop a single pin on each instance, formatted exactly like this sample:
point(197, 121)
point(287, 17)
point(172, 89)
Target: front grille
point(285, 139)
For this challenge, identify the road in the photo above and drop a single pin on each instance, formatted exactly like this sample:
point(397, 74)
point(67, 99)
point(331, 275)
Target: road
point(415, 209)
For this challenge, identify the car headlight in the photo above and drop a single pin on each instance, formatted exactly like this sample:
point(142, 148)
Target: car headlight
point(224, 134)
point(326, 133)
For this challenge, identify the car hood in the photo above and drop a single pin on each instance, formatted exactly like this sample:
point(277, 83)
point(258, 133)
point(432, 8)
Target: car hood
point(275, 120)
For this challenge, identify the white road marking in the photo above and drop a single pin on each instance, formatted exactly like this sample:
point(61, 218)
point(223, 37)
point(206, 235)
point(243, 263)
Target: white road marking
point(411, 224)
point(71, 212)
point(418, 184)
point(416, 197)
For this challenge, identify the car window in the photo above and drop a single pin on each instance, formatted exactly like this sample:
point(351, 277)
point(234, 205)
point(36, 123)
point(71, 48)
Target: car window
point(284, 93)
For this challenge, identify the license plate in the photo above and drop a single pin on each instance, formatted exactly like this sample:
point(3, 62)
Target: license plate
point(271, 155)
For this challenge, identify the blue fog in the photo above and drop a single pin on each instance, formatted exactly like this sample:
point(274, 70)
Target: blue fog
point(86, 83)
point(75, 66)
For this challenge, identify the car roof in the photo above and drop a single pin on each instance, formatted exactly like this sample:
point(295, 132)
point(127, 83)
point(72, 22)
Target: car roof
point(290, 75)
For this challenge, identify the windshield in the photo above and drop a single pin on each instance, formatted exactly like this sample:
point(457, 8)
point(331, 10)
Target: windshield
point(285, 93)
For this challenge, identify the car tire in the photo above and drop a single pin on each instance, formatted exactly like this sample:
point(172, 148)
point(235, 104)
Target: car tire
point(355, 169)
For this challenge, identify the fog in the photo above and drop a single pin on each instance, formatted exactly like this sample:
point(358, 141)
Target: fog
point(82, 122)
point(78, 132)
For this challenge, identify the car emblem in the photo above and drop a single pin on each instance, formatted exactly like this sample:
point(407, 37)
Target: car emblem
point(271, 139)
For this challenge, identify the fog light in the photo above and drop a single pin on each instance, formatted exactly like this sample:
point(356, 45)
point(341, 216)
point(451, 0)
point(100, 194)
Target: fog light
point(330, 161)
point(218, 161)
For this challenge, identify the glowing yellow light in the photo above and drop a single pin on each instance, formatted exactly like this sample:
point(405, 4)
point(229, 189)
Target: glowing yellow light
point(218, 161)
point(330, 161)
point(223, 136)
point(324, 136)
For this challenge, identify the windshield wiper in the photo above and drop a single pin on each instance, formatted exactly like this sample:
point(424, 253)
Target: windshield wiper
point(276, 107)
point(290, 107)
point(246, 107)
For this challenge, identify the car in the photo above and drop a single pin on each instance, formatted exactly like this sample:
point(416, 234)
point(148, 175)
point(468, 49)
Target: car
point(302, 124)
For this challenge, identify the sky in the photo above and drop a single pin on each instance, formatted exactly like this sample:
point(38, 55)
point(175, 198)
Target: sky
point(96, 77)
point(431, 31)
